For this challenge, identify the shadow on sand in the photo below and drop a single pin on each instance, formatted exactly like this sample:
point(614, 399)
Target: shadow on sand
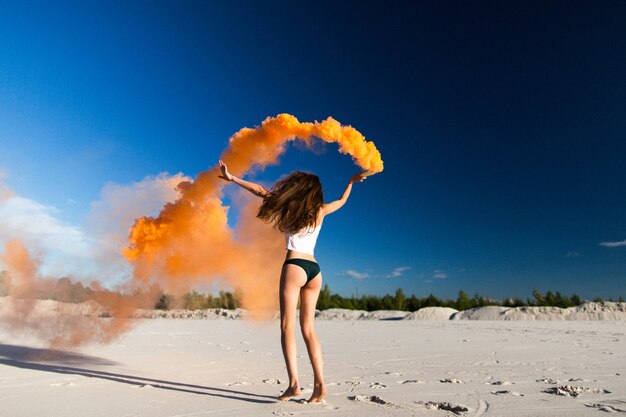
point(72, 363)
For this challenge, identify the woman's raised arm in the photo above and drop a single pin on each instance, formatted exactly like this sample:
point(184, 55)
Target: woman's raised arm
point(337, 204)
point(254, 188)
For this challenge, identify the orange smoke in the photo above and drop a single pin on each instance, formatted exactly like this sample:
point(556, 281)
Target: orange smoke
point(61, 324)
point(190, 241)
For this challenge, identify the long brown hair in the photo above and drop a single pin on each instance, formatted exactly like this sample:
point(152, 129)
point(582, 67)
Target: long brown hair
point(293, 203)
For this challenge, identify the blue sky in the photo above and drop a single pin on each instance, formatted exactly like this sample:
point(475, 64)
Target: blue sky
point(501, 125)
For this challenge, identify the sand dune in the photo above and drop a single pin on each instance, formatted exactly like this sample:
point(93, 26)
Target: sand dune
point(431, 313)
point(588, 311)
point(343, 314)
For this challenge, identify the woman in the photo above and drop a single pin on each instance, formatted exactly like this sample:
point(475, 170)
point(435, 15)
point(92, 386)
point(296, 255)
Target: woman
point(295, 205)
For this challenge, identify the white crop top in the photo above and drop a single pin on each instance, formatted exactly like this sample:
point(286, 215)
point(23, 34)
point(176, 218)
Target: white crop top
point(303, 241)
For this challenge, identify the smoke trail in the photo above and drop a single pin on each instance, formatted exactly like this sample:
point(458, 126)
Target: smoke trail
point(189, 243)
point(63, 325)
point(61, 311)
point(190, 240)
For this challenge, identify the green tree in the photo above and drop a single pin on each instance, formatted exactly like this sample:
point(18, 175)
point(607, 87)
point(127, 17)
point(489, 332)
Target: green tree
point(431, 301)
point(539, 298)
point(195, 301)
point(238, 297)
point(400, 300)
point(323, 301)
point(229, 300)
point(387, 302)
point(413, 303)
point(463, 302)
point(370, 303)
point(163, 303)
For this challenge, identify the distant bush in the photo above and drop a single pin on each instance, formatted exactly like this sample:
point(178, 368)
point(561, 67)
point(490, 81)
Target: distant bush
point(66, 290)
point(197, 301)
point(398, 301)
point(556, 299)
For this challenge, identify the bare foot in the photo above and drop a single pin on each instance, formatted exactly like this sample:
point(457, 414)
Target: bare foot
point(289, 392)
point(319, 392)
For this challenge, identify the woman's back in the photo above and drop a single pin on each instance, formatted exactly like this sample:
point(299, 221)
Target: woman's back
point(303, 241)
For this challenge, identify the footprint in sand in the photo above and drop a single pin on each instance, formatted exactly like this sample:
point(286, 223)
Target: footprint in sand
point(378, 385)
point(605, 407)
point(572, 391)
point(283, 413)
point(505, 392)
point(498, 383)
point(411, 381)
point(548, 381)
point(272, 381)
point(450, 381)
point(354, 384)
point(374, 400)
point(455, 408)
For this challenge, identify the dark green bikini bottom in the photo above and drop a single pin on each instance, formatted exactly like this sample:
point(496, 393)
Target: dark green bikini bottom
point(312, 269)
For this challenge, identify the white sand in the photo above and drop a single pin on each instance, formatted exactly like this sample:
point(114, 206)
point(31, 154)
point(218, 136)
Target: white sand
point(586, 311)
point(169, 367)
point(431, 313)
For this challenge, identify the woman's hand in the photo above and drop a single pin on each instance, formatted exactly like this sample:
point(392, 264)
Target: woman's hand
point(360, 177)
point(225, 174)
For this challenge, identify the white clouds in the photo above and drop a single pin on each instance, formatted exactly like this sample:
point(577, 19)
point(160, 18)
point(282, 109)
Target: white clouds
point(572, 254)
point(350, 273)
point(37, 225)
point(112, 216)
point(436, 274)
point(91, 250)
point(613, 244)
point(439, 274)
point(62, 248)
point(398, 271)
point(120, 204)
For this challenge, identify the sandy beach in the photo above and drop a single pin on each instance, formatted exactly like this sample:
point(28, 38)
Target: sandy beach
point(186, 367)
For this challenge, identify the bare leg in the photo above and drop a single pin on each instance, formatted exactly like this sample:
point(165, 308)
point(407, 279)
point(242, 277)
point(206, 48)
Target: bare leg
point(291, 279)
point(308, 299)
